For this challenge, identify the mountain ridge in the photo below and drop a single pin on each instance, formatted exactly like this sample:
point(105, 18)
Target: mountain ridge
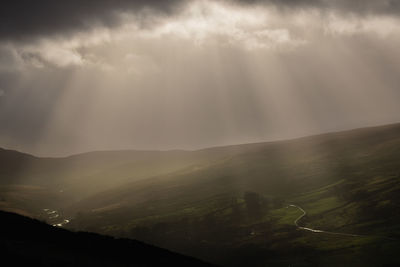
point(216, 147)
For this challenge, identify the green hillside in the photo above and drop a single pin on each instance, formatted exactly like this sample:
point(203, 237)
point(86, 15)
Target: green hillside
point(230, 205)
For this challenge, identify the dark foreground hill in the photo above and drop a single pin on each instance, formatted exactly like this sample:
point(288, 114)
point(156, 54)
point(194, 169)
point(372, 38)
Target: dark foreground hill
point(29, 242)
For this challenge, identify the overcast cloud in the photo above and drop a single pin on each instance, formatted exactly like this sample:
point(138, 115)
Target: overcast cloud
point(21, 20)
point(89, 75)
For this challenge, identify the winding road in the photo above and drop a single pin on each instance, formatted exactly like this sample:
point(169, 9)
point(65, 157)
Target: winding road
point(296, 223)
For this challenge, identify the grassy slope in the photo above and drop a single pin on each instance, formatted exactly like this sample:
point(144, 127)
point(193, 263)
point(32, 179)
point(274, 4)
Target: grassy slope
point(281, 168)
point(347, 182)
point(69, 179)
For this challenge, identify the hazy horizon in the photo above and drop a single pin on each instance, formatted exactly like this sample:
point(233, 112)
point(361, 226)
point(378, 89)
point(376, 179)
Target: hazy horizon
point(193, 74)
point(194, 149)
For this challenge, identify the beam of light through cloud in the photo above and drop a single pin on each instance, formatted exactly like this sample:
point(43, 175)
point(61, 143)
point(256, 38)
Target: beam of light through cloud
point(212, 73)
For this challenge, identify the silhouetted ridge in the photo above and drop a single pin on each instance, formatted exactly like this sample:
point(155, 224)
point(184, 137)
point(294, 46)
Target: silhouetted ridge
point(28, 242)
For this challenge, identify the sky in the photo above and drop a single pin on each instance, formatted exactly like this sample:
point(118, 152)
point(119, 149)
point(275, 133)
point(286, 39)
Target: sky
point(87, 75)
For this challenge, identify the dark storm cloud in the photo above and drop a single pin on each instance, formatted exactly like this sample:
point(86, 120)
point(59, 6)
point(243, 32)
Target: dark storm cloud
point(21, 20)
point(361, 7)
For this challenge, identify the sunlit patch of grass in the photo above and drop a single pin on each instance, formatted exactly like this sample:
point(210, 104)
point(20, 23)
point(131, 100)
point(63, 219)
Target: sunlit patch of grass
point(285, 216)
point(322, 205)
point(317, 192)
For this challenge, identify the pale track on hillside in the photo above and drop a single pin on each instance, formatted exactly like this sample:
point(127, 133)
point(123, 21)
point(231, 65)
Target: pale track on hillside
point(296, 223)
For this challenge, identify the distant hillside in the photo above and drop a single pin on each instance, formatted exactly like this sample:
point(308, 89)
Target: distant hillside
point(348, 182)
point(229, 205)
point(28, 242)
point(82, 175)
point(276, 168)
point(12, 162)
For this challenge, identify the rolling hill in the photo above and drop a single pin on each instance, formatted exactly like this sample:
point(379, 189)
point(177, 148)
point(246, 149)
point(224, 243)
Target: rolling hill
point(230, 205)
